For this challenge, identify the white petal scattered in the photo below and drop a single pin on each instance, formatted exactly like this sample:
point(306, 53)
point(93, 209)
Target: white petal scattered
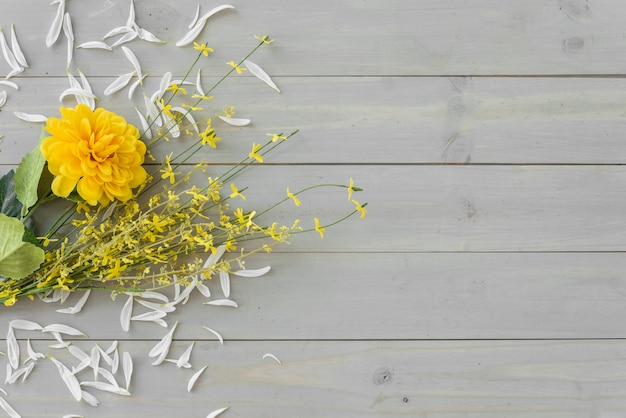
point(94, 361)
point(184, 358)
point(3, 97)
point(73, 416)
point(130, 55)
point(89, 398)
point(193, 33)
point(225, 282)
point(133, 87)
point(154, 295)
point(57, 23)
point(235, 121)
point(166, 81)
point(108, 376)
point(163, 307)
point(29, 369)
point(202, 288)
point(217, 334)
point(106, 387)
point(9, 84)
point(32, 354)
point(216, 412)
point(146, 35)
point(78, 93)
point(63, 329)
point(95, 45)
point(125, 38)
point(61, 344)
point(69, 34)
point(8, 408)
point(199, 88)
point(68, 377)
point(215, 10)
point(149, 316)
point(78, 353)
point(116, 361)
point(194, 378)
point(127, 312)
point(272, 356)
point(258, 72)
point(214, 257)
point(13, 349)
point(79, 305)
point(17, 50)
point(14, 72)
point(252, 273)
point(112, 347)
point(222, 302)
point(195, 17)
point(9, 57)
point(152, 111)
point(161, 349)
point(24, 371)
point(127, 366)
point(119, 83)
point(25, 325)
point(131, 15)
point(30, 117)
point(118, 31)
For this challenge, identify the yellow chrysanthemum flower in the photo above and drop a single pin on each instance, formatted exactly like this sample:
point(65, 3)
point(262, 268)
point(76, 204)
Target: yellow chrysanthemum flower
point(95, 152)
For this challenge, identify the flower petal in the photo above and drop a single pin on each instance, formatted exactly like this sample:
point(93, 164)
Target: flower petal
point(193, 33)
point(125, 38)
point(216, 412)
point(252, 273)
point(272, 356)
point(69, 34)
point(223, 302)
point(119, 83)
point(118, 31)
point(30, 117)
point(127, 312)
point(195, 18)
point(57, 23)
point(235, 121)
point(8, 408)
point(79, 305)
point(9, 83)
point(25, 325)
point(106, 387)
point(13, 349)
point(194, 378)
point(215, 10)
point(217, 334)
point(9, 57)
point(17, 50)
point(130, 55)
point(95, 45)
point(68, 377)
point(258, 72)
point(127, 366)
point(184, 358)
point(89, 398)
point(63, 329)
point(145, 35)
point(225, 282)
point(3, 97)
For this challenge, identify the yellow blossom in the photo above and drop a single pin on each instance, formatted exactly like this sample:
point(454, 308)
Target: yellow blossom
point(235, 192)
point(200, 96)
point(168, 173)
point(205, 50)
point(319, 228)
point(350, 189)
point(254, 154)
point(207, 137)
point(265, 39)
point(276, 137)
point(95, 152)
point(191, 107)
point(237, 68)
point(360, 208)
point(175, 89)
point(293, 197)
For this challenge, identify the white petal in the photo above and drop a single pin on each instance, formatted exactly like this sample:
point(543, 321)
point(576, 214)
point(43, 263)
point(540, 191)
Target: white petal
point(116, 362)
point(130, 55)
point(69, 34)
point(9, 373)
point(148, 36)
point(131, 14)
point(14, 72)
point(64, 294)
point(112, 347)
point(30, 117)
point(203, 289)
point(187, 114)
point(252, 273)
point(214, 258)
point(125, 38)
point(68, 377)
point(55, 27)
point(260, 74)
point(77, 93)
point(223, 302)
point(127, 365)
point(145, 126)
point(25, 325)
point(63, 329)
point(215, 10)
point(9, 83)
point(95, 45)
point(272, 356)
point(136, 83)
point(194, 378)
point(166, 81)
point(119, 83)
point(105, 356)
point(149, 316)
point(162, 347)
point(89, 398)
point(217, 334)
point(199, 88)
point(108, 376)
point(127, 312)
point(195, 18)
point(78, 353)
point(3, 97)
point(225, 282)
point(118, 31)
point(106, 387)
point(6, 52)
point(184, 358)
point(17, 50)
point(29, 369)
point(192, 34)
point(8, 408)
point(157, 306)
point(154, 295)
point(86, 86)
point(32, 354)
point(235, 121)
point(13, 349)
point(24, 371)
point(152, 110)
point(94, 361)
point(73, 416)
point(216, 412)
point(79, 305)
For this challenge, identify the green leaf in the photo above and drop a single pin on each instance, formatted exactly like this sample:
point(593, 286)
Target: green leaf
point(9, 205)
point(18, 259)
point(27, 176)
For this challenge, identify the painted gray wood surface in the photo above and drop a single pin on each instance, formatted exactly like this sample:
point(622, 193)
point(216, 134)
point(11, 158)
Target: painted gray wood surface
point(487, 279)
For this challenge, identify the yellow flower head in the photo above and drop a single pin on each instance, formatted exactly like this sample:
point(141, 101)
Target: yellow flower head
point(96, 152)
point(319, 228)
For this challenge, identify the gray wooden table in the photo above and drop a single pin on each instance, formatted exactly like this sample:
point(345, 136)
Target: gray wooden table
point(488, 279)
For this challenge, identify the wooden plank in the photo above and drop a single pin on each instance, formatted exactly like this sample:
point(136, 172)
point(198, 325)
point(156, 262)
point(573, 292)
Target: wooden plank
point(385, 296)
point(381, 120)
point(352, 37)
point(554, 379)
